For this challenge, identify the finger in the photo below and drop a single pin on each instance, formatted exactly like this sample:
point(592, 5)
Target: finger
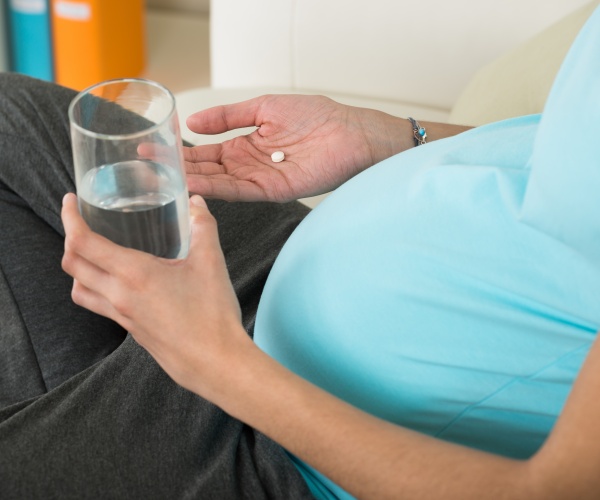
point(158, 152)
point(204, 168)
point(203, 160)
point(203, 224)
point(204, 236)
point(231, 154)
point(225, 188)
point(83, 271)
point(73, 223)
point(96, 302)
point(92, 247)
point(205, 248)
point(198, 207)
point(200, 217)
point(205, 153)
point(226, 117)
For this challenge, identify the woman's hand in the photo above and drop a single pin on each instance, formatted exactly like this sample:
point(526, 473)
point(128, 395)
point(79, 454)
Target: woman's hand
point(325, 144)
point(184, 312)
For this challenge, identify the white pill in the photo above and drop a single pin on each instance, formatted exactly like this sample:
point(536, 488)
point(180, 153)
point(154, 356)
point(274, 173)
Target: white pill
point(277, 156)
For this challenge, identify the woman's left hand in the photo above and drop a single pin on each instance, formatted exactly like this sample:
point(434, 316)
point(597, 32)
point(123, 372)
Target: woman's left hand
point(183, 312)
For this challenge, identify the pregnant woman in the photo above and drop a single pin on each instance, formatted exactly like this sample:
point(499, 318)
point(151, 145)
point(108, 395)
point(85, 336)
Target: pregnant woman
point(429, 331)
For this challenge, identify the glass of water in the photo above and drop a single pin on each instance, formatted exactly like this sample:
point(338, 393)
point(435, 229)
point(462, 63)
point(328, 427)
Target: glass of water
point(129, 168)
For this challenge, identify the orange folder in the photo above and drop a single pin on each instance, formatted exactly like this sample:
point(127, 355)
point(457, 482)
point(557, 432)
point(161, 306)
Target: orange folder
point(97, 40)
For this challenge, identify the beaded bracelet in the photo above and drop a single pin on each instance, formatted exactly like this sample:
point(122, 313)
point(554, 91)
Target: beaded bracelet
point(419, 133)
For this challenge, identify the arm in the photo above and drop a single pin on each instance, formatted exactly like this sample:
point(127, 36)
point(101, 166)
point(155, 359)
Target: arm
point(379, 459)
point(325, 144)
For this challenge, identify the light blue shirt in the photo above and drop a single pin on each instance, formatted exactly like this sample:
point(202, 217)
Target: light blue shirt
point(455, 288)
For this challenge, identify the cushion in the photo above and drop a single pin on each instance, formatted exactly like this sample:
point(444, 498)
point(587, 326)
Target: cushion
point(518, 83)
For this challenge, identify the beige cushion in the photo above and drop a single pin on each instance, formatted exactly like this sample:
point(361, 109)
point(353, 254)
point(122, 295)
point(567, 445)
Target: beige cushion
point(518, 83)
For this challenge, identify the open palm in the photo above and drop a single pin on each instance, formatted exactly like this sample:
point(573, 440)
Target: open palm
point(325, 143)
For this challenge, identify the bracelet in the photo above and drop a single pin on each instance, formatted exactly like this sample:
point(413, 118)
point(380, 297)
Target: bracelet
point(419, 133)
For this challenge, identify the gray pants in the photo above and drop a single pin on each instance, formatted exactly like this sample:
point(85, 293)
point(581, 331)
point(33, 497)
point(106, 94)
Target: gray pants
point(84, 411)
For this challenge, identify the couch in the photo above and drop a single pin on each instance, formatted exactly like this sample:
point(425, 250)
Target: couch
point(462, 61)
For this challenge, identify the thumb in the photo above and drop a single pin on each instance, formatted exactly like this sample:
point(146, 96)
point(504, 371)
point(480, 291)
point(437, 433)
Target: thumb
point(203, 224)
point(205, 253)
point(198, 205)
point(199, 213)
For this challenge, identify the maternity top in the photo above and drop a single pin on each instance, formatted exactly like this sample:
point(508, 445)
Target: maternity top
point(455, 288)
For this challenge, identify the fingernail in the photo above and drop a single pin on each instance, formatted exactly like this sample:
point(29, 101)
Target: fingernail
point(197, 200)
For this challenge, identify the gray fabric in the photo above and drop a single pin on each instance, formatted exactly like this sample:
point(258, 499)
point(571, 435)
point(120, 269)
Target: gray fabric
point(86, 412)
point(16, 353)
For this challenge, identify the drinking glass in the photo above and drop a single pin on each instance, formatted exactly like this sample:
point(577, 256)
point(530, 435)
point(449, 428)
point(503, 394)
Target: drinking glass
point(129, 170)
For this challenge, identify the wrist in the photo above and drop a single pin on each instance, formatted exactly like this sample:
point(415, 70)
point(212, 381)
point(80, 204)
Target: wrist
point(388, 135)
point(239, 381)
point(207, 368)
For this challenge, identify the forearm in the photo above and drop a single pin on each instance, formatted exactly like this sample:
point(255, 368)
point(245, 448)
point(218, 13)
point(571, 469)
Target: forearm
point(389, 135)
point(368, 457)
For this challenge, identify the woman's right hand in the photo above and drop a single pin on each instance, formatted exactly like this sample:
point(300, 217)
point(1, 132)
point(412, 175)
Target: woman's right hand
point(325, 144)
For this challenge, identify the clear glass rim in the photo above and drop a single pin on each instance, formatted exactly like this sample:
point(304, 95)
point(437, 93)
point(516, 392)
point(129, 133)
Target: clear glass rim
point(132, 135)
